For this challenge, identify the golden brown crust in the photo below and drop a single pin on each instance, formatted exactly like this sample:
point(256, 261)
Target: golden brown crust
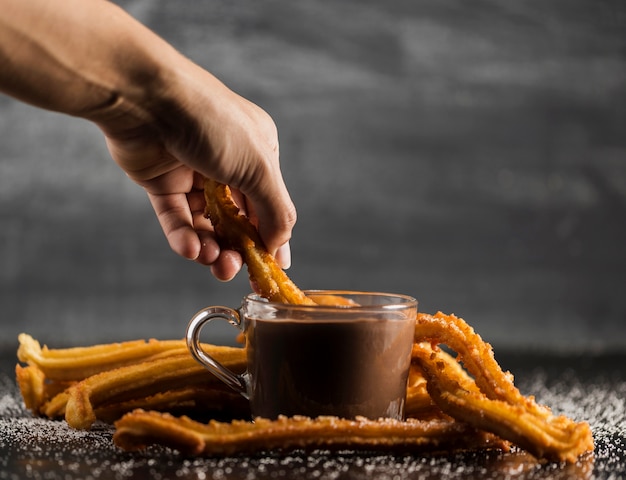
point(490, 401)
point(30, 381)
point(153, 374)
point(140, 428)
point(234, 231)
point(419, 403)
point(144, 380)
point(77, 363)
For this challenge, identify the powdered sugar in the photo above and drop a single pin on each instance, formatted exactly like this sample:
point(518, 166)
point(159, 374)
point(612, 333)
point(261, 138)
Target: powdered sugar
point(36, 448)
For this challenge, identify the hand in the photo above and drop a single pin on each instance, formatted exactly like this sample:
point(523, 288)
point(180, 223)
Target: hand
point(207, 131)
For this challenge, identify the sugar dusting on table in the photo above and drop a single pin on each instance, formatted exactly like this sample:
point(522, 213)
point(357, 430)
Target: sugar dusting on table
point(35, 448)
point(601, 403)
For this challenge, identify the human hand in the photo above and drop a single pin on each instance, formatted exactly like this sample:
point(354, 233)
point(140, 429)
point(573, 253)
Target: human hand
point(201, 128)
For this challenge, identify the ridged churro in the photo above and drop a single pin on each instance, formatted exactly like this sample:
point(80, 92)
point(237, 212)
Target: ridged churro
point(137, 374)
point(236, 232)
point(488, 399)
point(139, 429)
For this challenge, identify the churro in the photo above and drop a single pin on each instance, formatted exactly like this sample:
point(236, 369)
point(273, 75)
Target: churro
point(139, 428)
point(488, 399)
point(235, 231)
point(112, 379)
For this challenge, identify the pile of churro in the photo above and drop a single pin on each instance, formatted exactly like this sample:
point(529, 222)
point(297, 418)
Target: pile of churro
point(102, 382)
point(156, 393)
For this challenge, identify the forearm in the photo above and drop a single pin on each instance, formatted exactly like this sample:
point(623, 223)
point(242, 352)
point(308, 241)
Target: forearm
point(86, 58)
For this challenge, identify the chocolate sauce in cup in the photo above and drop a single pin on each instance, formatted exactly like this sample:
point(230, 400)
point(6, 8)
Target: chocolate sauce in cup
point(345, 361)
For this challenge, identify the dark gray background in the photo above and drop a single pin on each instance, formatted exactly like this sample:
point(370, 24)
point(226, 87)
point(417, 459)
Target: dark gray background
point(472, 154)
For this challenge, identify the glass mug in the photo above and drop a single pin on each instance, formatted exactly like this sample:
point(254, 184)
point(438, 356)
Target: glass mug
point(344, 361)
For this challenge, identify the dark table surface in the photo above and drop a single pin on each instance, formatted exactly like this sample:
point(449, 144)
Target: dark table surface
point(585, 387)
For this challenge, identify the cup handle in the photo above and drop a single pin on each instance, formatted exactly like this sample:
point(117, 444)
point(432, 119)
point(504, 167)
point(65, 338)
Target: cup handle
point(199, 320)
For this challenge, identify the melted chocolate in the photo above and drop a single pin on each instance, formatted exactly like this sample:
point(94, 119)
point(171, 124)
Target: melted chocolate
point(329, 368)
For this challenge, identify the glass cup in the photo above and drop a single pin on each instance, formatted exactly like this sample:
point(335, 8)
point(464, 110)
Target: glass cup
point(342, 360)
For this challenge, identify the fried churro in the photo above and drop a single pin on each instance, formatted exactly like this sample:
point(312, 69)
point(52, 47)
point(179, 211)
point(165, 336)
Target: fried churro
point(142, 380)
point(140, 428)
point(77, 363)
point(112, 379)
point(488, 399)
point(235, 231)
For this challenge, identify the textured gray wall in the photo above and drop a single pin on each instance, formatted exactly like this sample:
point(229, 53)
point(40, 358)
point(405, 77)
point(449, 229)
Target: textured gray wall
point(471, 154)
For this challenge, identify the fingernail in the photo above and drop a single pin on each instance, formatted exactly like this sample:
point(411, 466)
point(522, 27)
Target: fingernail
point(283, 256)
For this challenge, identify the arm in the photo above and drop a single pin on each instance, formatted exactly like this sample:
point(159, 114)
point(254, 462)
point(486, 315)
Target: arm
point(167, 121)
